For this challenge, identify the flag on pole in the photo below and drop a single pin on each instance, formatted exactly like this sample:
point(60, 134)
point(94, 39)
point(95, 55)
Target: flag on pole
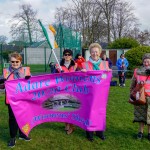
point(52, 33)
point(49, 33)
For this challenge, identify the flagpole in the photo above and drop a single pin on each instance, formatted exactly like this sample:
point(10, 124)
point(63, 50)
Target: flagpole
point(57, 60)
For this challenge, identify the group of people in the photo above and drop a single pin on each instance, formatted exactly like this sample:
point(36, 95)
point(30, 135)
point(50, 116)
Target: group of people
point(94, 63)
point(122, 64)
point(67, 64)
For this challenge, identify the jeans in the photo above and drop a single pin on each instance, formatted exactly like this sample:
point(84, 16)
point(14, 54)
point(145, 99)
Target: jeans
point(122, 77)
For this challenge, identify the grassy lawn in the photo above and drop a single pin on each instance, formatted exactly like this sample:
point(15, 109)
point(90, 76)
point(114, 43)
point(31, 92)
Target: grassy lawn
point(35, 69)
point(120, 132)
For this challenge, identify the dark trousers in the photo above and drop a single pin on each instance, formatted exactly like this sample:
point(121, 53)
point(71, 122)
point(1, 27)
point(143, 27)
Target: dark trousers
point(122, 77)
point(89, 134)
point(13, 126)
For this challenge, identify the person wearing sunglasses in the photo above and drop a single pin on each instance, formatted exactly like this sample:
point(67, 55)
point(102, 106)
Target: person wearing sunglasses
point(68, 65)
point(13, 72)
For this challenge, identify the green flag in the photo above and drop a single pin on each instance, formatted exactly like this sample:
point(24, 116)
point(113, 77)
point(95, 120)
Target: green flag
point(46, 34)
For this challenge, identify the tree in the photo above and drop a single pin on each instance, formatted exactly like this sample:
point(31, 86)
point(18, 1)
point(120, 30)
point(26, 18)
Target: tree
point(144, 37)
point(97, 20)
point(25, 24)
point(135, 55)
point(107, 7)
point(83, 16)
point(123, 19)
point(3, 39)
point(124, 43)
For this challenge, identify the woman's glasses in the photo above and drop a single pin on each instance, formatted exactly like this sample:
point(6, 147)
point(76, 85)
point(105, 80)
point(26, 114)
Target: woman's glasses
point(67, 55)
point(14, 62)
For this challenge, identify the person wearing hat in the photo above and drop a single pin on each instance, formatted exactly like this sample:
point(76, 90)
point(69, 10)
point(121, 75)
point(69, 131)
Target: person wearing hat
point(142, 112)
point(67, 65)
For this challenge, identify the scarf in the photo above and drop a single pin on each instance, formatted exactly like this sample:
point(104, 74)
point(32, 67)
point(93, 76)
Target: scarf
point(16, 72)
point(142, 71)
point(95, 63)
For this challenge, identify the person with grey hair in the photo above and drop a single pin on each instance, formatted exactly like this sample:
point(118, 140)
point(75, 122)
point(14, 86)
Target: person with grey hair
point(95, 63)
point(142, 112)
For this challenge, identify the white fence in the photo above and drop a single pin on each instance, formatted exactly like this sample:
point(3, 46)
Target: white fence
point(39, 55)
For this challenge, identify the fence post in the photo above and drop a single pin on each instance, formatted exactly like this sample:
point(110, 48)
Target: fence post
point(45, 58)
point(25, 49)
point(2, 57)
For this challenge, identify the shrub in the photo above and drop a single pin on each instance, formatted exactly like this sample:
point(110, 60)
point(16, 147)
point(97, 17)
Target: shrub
point(134, 56)
point(124, 43)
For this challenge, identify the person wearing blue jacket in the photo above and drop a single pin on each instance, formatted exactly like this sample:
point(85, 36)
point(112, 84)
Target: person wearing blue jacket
point(122, 64)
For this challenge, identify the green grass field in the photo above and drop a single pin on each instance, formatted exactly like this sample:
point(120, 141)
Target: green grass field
point(35, 69)
point(120, 132)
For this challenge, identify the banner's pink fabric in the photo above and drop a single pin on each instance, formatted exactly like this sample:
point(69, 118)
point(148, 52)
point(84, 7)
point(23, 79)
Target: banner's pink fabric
point(78, 98)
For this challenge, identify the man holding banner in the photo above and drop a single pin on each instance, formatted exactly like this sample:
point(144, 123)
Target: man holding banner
point(95, 63)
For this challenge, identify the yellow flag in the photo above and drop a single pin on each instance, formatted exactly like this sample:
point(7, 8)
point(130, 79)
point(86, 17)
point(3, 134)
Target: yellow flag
point(52, 29)
point(52, 33)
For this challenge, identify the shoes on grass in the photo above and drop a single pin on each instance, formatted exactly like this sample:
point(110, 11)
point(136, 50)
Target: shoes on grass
point(12, 142)
point(101, 135)
point(140, 135)
point(148, 136)
point(90, 139)
point(24, 138)
point(71, 129)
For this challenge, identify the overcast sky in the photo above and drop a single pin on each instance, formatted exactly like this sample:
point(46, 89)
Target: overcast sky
point(46, 9)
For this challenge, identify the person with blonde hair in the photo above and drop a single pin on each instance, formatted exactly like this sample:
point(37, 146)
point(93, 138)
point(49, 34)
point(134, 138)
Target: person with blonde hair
point(13, 72)
point(95, 63)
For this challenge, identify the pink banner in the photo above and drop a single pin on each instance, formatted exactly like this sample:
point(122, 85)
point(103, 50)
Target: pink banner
point(77, 98)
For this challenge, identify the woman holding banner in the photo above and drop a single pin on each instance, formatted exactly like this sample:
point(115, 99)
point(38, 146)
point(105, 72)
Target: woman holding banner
point(67, 65)
point(15, 71)
point(142, 112)
point(95, 63)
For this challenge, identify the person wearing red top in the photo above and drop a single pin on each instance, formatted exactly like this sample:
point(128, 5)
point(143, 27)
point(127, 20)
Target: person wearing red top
point(79, 60)
point(67, 65)
point(95, 63)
